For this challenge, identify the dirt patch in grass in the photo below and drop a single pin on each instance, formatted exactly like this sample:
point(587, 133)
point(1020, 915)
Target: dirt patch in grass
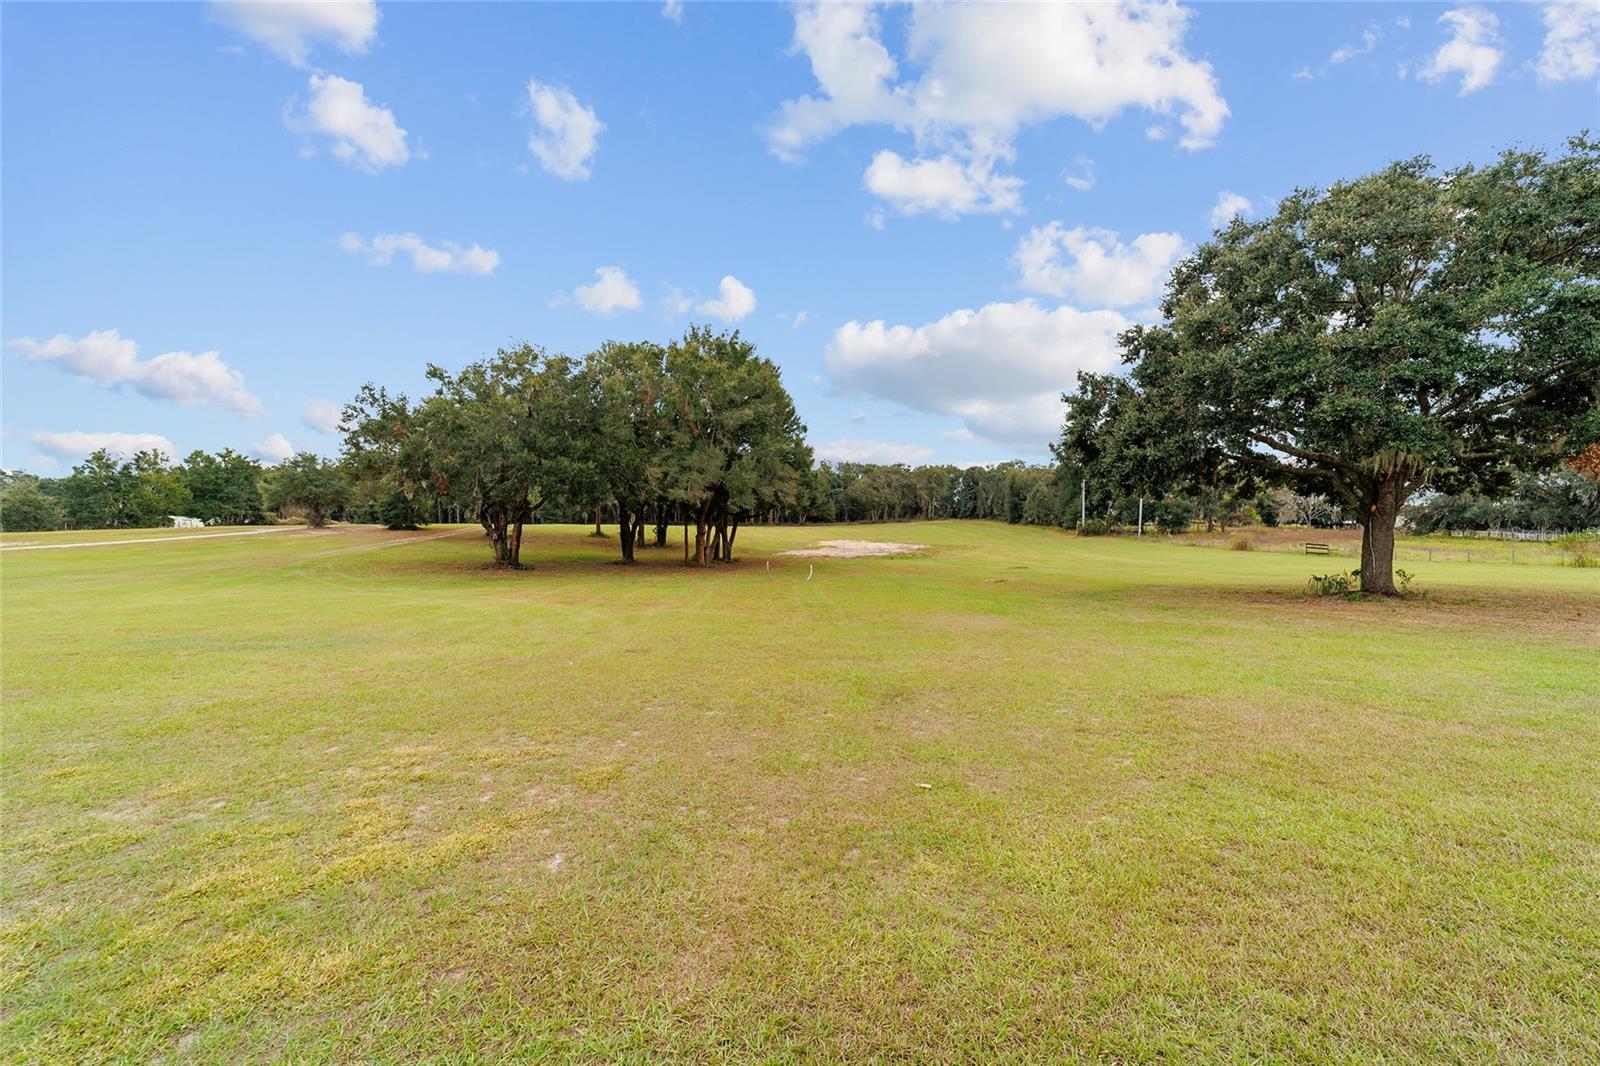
point(855, 549)
point(1555, 614)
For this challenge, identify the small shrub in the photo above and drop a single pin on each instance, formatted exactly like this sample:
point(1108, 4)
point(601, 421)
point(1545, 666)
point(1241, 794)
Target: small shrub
point(1581, 549)
point(1241, 544)
point(1096, 527)
point(1346, 585)
point(399, 511)
point(1403, 580)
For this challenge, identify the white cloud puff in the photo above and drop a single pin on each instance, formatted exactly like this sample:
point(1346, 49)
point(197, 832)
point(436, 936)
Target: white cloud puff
point(612, 291)
point(447, 257)
point(322, 415)
point(1228, 206)
point(946, 185)
point(1001, 369)
point(275, 449)
point(360, 132)
point(735, 302)
point(289, 29)
point(567, 133)
point(858, 450)
point(1571, 49)
point(105, 356)
point(1080, 175)
point(1093, 266)
point(1473, 50)
point(75, 444)
point(672, 11)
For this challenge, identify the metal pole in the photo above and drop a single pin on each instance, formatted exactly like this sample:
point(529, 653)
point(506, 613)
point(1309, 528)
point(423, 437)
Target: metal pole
point(1141, 516)
point(1083, 504)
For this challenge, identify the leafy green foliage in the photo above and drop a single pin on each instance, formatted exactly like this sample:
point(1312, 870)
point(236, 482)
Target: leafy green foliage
point(25, 508)
point(307, 484)
point(105, 493)
point(1346, 585)
point(224, 489)
point(1409, 328)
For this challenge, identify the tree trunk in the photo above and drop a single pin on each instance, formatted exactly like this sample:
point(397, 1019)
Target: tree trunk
point(598, 532)
point(702, 542)
point(728, 551)
point(516, 546)
point(627, 525)
point(1380, 509)
point(661, 525)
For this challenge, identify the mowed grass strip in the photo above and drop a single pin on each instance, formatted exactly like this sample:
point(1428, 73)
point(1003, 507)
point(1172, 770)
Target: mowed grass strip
point(356, 795)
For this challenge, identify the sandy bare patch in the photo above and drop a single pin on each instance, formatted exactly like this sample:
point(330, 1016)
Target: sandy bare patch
point(855, 549)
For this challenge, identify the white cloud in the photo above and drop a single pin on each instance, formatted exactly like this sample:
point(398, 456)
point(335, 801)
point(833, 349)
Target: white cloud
point(1571, 42)
point(1081, 174)
point(1093, 266)
point(275, 449)
point(859, 417)
point(676, 302)
point(1001, 369)
point(362, 134)
point(614, 291)
point(1473, 50)
point(946, 185)
point(448, 257)
point(735, 302)
point(960, 433)
point(875, 218)
point(322, 415)
point(798, 320)
point(568, 132)
point(291, 28)
point(1369, 40)
point(1229, 204)
point(1303, 74)
point(857, 450)
point(76, 444)
point(182, 377)
point(982, 73)
point(672, 11)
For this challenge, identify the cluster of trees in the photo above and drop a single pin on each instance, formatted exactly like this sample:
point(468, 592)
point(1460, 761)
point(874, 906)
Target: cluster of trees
point(699, 431)
point(1408, 331)
point(1025, 494)
point(874, 492)
point(104, 492)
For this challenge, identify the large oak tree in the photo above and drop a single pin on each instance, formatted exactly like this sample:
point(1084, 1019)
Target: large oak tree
point(1411, 328)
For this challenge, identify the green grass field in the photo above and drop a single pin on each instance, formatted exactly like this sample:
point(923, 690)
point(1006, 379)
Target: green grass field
point(353, 795)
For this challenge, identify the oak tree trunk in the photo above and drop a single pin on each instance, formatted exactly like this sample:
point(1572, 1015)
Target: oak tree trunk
point(1380, 509)
point(626, 531)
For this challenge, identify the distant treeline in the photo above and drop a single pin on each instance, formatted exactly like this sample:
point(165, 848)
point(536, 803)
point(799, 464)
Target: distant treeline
point(226, 488)
point(1565, 500)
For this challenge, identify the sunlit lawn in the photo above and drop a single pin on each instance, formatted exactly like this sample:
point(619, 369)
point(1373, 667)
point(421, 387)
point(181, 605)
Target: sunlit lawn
point(353, 795)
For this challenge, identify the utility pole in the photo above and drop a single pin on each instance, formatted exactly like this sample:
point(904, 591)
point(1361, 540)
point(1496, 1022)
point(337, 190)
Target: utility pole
point(1141, 516)
point(1083, 504)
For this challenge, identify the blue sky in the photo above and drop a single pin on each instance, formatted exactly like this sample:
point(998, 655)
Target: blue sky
point(220, 220)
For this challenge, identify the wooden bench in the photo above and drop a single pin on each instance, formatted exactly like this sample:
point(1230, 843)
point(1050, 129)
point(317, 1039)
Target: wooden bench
point(1313, 548)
